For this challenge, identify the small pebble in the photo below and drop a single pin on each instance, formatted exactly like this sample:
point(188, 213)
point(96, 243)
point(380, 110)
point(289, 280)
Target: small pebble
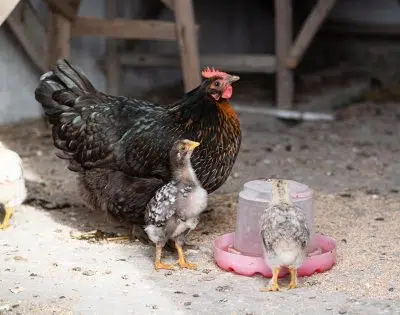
point(196, 295)
point(187, 303)
point(125, 277)
point(235, 175)
point(379, 219)
point(76, 269)
point(33, 275)
point(62, 297)
point(107, 272)
point(225, 288)
point(391, 289)
point(89, 273)
point(342, 311)
point(179, 292)
point(223, 300)
point(168, 273)
point(17, 290)
point(20, 258)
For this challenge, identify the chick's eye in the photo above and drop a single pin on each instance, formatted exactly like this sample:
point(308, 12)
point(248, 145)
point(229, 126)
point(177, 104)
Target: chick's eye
point(182, 147)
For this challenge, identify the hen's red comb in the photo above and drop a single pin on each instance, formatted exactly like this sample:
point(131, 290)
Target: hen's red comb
point(211, 72)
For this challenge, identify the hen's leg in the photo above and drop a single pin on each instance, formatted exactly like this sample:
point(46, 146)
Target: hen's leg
point(157, 263)
point(181, 256)
point(293, 278)
point(8, 212)
point(273, 283)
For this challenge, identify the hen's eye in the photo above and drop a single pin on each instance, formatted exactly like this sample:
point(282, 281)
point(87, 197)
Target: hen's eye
point(216, 83)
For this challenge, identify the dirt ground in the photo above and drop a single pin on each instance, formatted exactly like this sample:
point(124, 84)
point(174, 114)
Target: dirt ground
point(352, 165)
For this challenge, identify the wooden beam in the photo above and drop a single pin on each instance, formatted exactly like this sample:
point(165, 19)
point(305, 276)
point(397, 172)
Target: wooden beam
point(63, 8)
point(259, 63)
point(362, 28)
point(6, 7)
point(187, 41)
point(112, 59)
point(30, 33)
point(308, 31)
point(283, 41)
point(123, 28)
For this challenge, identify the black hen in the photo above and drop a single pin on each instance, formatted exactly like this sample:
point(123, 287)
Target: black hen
point(120, 147)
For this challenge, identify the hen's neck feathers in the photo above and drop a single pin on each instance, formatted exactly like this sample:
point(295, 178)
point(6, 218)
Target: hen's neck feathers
point(197, 105)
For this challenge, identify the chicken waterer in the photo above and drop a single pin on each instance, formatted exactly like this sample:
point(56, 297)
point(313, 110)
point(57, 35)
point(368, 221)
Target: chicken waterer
point(242, 251)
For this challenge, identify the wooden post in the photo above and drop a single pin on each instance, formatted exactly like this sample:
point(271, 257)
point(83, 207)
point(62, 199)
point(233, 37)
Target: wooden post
point(6, 7)
point(308, 30)
point(187, 40)
point(112, 60)
point(59, 34)
point(283, 41)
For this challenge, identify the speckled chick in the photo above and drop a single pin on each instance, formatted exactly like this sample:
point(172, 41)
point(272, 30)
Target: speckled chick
point(285, 234)
point(175, 208)
point(12, 184)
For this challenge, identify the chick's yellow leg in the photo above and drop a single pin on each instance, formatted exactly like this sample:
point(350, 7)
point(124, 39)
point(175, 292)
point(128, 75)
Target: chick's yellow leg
point(157, 263)
point(273, 284)
point(293, 278)
point(9, 211)
point(181, 258)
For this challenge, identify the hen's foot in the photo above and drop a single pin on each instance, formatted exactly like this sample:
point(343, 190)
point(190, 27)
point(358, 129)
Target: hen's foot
point(7, 215)
point(293, 278)
point(99, 235)
point(182, 260)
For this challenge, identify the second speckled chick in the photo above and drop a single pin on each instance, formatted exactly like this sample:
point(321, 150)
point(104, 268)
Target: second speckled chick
point(285, 234)
point(174, 210)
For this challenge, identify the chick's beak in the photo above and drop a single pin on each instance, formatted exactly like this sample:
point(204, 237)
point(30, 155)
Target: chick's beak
point(232, 78)
point(192, 145)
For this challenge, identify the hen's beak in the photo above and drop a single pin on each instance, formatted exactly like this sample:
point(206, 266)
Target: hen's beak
point(192, 145)
point(233, 78)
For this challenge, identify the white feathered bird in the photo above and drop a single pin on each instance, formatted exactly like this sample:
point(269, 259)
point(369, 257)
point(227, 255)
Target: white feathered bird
point(12, 184)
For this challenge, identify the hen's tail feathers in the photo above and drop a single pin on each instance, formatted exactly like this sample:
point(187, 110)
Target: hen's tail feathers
point(59, 89)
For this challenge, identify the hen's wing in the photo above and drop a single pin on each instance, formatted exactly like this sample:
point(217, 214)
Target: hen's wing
point(162, 206)
point(91, 128)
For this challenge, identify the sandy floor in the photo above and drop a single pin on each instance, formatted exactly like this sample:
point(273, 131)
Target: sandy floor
point(352, 165)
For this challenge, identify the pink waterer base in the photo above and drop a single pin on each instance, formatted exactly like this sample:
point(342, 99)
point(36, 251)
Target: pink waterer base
point(319, 261)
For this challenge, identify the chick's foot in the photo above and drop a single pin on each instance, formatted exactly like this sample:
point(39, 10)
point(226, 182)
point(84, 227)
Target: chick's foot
point(182, 260)
point(157, 263)
point(293, 278)
point(7, 215)
point(273, 284)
